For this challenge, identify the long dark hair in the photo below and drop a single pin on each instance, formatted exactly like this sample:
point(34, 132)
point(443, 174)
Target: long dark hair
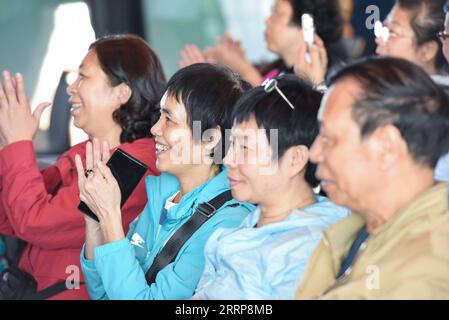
point(129, 59)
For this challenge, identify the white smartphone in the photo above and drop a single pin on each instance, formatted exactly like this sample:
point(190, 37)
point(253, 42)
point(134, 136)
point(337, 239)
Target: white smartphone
point(308, 29)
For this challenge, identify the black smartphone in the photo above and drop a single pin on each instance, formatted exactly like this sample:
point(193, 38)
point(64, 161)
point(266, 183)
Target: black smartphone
point(127, 170)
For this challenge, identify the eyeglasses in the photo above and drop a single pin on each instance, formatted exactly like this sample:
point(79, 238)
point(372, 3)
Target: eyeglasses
point(383, 32)
point(272, 84)
point(442, 35)
point(380, 31)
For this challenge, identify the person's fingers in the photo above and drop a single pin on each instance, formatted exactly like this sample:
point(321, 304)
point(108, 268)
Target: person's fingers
point(318, 41)
point(80, 171)
point(191, 54)
point(220, 41)
point(89, 158)
point(39, 110)
point(96, 150)
point(14, 83)
point(3, 99)
point(314, 54)
point(106, 154)
point(189, 51)
point(301, 57)
point(195, 55)
point(186, 53)
point(21, 90)
point(228, 40)
point(183, 59)
point(88, 191)
point(323, 56)
point(106, 172)
point(238, 46)
point(209, 57)
point(96, 176)
point(303, 63)
point(210, 54)
point(9, 88)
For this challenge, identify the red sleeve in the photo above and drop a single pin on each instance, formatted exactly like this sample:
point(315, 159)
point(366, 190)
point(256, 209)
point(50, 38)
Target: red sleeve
point(5, 227)
point(50, 221)
point(52, 180)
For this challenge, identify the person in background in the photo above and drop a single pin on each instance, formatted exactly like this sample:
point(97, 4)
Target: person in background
point(413, 27)
point(195, 111)
point(363, 13)
point(384, 125)
point(410, 32)
point(115, 98)
point(442, 169)
point(269, 251)
point(284, 36)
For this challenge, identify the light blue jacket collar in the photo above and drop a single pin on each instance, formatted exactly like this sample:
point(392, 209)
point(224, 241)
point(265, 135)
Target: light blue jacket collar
point(163, 186)
point(322, 208)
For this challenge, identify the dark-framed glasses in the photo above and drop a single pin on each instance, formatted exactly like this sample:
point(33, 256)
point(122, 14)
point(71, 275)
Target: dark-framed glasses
point(272, 84)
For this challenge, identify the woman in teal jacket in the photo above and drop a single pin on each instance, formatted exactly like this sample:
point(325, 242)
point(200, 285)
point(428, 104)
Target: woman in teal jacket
point(195, 112)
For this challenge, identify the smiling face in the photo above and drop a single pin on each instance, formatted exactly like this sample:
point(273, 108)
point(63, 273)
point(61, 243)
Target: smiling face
point(348, 165)
point(176, 150)
point(93, 99)
point(280, 34)
point(402, 40)
point(253, 174)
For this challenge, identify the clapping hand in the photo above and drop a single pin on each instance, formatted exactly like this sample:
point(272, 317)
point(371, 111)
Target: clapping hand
point(17, 122)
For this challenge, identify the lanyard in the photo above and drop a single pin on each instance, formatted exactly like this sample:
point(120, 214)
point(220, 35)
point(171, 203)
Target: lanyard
point(359, 241)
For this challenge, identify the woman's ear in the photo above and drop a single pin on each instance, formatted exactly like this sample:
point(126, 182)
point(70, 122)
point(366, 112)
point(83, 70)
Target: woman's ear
point(211, 138)
point(124, 93)
point(297, 159)
point(428, 52)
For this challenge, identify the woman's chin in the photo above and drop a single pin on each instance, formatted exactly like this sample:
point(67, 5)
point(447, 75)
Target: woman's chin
point(161, 165)
point(77, 122)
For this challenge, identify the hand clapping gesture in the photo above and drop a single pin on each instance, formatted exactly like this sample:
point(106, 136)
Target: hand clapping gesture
point(17, 122)
point(100, 191)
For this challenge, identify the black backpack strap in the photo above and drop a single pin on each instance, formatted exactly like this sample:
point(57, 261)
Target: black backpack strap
point(171, 249)
point(51, 291)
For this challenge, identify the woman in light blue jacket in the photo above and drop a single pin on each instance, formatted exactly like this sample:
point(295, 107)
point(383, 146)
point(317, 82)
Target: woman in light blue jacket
point(268, 164)
point(195, 111)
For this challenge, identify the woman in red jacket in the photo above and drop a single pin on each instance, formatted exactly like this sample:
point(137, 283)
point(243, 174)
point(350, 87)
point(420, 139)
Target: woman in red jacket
point(115, 99)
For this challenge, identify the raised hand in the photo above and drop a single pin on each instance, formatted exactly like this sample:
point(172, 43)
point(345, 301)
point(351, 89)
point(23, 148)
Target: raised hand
point(100, 191)
point(17, 122)
point(315, 69)
point(98, 187)
point(189, 55)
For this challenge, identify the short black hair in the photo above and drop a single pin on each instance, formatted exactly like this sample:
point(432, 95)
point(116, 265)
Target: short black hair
point(326, 15)
point(208, 93)
point(398, 92)
point(271, 111)
point(129, 59)
point(427, 19)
